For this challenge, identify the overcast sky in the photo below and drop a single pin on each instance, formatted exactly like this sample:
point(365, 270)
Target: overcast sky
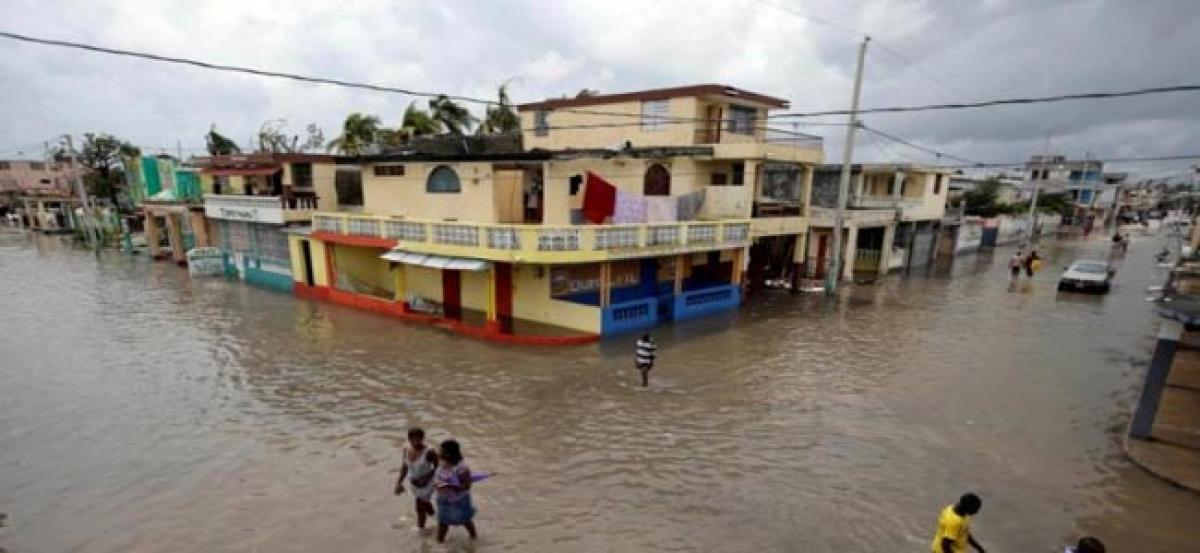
point(947, 51)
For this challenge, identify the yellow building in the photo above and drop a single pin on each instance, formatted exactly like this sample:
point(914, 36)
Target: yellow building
point(602, 224)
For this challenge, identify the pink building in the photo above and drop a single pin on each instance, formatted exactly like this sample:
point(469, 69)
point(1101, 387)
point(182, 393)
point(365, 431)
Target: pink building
point(36, 178)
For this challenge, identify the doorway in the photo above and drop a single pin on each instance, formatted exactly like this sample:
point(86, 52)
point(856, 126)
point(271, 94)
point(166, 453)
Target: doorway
point(306, 251)
point(452, 294)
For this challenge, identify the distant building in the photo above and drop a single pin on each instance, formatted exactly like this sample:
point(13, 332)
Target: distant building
point(1010, 190)
point(893, 212)
point(36, 178)
point(1081, 179)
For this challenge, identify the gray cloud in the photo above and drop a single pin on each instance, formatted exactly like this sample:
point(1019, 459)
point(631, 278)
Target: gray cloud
point(973, 50)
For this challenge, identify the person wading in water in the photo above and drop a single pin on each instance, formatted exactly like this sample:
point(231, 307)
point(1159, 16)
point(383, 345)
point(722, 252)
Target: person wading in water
point(644, 354)
point(420, 461)
point(954, 526)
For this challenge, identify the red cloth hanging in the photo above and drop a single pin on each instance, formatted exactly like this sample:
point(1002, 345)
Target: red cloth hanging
point(599, 199)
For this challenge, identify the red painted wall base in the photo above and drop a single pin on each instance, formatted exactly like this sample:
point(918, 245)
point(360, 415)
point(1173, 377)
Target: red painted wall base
point(490, 331)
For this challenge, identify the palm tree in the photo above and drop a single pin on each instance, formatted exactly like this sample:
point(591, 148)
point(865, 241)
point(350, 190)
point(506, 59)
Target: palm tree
point(359, 133)
point(219, 145)
point(455, 118)
point(501, 118)
point(418, 122)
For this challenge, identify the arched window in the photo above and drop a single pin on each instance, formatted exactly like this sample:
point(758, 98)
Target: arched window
point(657, 181)
point(442, 180)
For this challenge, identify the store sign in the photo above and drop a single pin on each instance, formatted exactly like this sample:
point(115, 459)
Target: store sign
point(567, 280)
point(240, 208)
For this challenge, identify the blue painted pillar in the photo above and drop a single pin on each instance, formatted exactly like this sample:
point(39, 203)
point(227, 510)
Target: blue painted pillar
point(1156, 378)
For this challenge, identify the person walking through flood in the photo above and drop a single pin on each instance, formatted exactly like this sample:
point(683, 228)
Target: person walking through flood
point(420, 462)
point(453, 486)
point(1032, 263)
point(954, 526)
point(1014, 264)
point(644, 353)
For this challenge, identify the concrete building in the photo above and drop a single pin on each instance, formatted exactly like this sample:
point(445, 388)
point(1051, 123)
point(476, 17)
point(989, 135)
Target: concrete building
point(893, 213)
point(173, 217)
point(250, 202)
point(602, 224)
point(1083, 180)
point(19, 177)
point(1010, 190)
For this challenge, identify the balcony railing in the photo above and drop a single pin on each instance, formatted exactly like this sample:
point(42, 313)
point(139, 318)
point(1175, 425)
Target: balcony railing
point(534, 243)
point(884, 202)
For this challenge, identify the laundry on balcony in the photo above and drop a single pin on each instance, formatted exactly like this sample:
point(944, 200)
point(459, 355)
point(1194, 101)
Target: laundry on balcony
point(630, 208)
point(599, 199)
point(661, 209)
point(436, 261)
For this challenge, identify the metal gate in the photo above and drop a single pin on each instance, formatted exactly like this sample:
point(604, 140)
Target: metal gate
point(922, 247)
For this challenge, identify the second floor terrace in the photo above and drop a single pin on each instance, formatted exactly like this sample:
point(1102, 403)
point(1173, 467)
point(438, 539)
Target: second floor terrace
point(730, 120)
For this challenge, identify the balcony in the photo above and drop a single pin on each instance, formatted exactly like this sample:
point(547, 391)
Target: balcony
point(536, 243)
point(278, 210)
point(774, 145)
point(883, 202)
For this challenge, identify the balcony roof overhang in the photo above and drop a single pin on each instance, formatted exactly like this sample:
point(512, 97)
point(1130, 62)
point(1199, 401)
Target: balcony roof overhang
point(240, 171)
point(436, 261)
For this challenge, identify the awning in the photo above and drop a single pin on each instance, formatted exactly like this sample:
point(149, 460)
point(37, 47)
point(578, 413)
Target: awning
point(436, 261)
point(223, 171)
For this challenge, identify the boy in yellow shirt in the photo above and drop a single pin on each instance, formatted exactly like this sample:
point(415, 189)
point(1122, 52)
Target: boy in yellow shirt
point(954, 526)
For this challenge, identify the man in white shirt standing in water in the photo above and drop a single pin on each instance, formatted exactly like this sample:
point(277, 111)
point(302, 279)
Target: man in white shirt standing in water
point(644, 355)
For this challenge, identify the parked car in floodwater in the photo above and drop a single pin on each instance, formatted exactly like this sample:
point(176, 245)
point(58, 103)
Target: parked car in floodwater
point(1086, 276)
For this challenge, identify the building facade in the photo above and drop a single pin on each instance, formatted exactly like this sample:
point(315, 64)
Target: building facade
point(649, 219)
point(251, 201)
point(891, 222)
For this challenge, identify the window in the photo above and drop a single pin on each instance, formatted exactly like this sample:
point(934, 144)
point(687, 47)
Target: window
point(654, 115)
point(302, 175)
point(657, 181)
point(443, 180)
point(389, 170)
point(220, 184)
point(45, 181)
point(1075, 175)
point(937, 185)
point(741, 119)
point(541, 122)
point(348, 182)
point(739, 173)
point(720, 179)
point(37, 166)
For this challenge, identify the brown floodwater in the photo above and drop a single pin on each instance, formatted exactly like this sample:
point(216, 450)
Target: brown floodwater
point(141, 410)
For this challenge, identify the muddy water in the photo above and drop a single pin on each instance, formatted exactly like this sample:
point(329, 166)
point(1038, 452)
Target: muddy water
point(143, 411)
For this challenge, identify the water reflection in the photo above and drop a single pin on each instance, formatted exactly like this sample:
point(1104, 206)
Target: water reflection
point(147, 411)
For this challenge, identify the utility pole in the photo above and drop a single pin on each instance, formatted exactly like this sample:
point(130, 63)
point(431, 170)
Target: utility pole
point(1033, 201)
point(84, 204)
point(839, 217)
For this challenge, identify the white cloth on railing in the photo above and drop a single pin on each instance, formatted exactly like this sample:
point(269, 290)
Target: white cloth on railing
point(630, 208)
point(661, 209)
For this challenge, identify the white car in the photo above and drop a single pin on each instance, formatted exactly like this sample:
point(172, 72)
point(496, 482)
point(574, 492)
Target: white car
point(1086, 276)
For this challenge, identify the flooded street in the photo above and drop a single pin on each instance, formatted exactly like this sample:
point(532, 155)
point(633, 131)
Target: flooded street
point(141, 410)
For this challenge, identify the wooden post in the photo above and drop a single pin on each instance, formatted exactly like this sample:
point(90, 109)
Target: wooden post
point(200, 229)
point(738, 260)
point(605, 283)
point(152, 234)
point(679, 274)
point(175, 234)
point(493, 321)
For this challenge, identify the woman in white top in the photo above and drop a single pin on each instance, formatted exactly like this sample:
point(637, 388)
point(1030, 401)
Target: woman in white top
point(420, 462)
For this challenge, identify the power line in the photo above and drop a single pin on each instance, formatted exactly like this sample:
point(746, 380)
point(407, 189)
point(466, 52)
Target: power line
point(911, 144)
point(1134, 159)
point(1000, 102)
